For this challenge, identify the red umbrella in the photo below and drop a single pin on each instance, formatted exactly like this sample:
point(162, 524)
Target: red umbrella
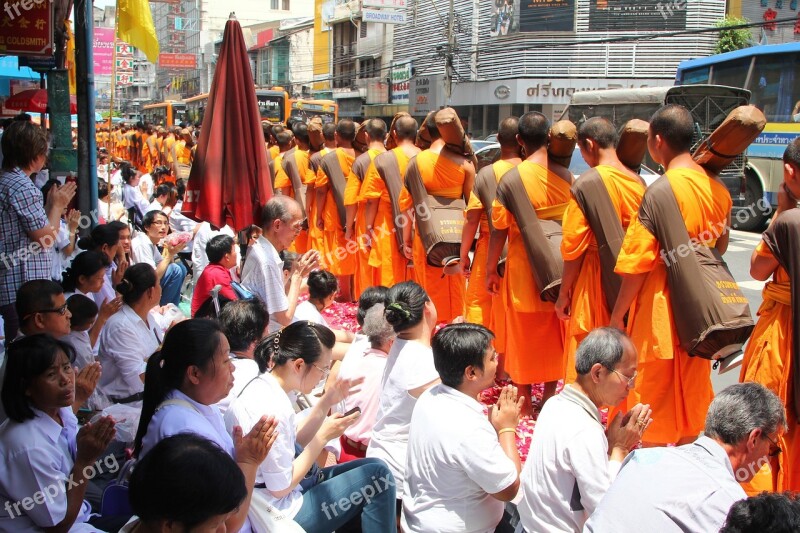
point(35, 101)
point(230, 181)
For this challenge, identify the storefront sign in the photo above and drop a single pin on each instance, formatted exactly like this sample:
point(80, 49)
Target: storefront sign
point(103, 50)
point(425, 94)
point(401, 79)
point(177, 61)
point(26, 28)
point(637, 15)
point(383, 17)
point(547, 15)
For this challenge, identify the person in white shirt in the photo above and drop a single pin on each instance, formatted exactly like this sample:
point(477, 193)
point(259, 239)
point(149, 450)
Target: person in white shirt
point(64, 246)
point(145, 250)
point(42, 445)
point(460, 465)
point(409, 372)
point(323, 287)
point(130, 337)
point(132, 197)
point(244, 323)
point(299, 356)
point(161, 199)
point(282, 221)
point(692, 487)
point(573, 459)
point(106, 239)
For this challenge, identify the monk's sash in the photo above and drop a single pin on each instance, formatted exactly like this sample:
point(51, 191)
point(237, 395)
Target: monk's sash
point(594, 200)
point(485, 188)
point(292, 170)
point(331, 167)
point(783, 240)
point(711, 315)
point(541, 238)
point(388, 168)
point(439, 220)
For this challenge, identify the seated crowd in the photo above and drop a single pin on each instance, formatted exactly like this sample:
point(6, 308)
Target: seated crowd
point(261, 417)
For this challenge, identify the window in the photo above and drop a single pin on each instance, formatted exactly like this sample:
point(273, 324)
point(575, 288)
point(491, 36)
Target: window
point(694, 76)
point(362, 29)
point(273, 4)
point(775, 86)
point(285, 5)
point(369, 68)
point(731, 73)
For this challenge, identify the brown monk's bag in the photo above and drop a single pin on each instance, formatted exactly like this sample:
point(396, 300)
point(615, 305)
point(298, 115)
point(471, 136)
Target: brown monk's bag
point(562, 138)
point(315, 137)
point(439, 220)
point(541, 238)
point(730, 139)
point(331, 167)
point(390, 142)
point(361, 142)
point(710, 312)
point(424, 140)
point(632, 144)
point(592, 197)
point(452, 132)
point(389, 170)
point(485, 188)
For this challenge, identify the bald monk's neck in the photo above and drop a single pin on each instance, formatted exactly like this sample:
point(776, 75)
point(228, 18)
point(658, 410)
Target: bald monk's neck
point(510, 154)
point(376, 145)
point(608, 157)
point(408, 148)
point(348, 149)
point(685, 160)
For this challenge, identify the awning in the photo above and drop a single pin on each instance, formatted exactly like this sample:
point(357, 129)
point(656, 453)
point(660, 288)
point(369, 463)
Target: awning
point(383, 110)
point(10, 70)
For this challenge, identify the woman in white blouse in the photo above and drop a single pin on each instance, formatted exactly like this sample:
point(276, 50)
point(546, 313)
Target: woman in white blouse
point(409, 372)
point(42, 446)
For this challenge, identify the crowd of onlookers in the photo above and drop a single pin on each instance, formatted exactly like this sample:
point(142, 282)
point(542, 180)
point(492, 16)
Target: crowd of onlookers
point(255, 414)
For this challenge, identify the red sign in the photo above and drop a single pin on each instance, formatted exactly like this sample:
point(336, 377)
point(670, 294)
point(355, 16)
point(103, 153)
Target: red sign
point(177, 61)
point(26, 28)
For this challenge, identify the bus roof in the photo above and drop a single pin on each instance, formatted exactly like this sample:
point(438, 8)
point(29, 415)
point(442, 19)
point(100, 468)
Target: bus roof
point(758, 50)
point(196, 98)
point(620, 96)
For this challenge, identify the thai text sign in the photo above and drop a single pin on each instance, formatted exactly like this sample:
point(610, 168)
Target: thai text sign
point(103, 50)
point(177, 61)
point(26, 28)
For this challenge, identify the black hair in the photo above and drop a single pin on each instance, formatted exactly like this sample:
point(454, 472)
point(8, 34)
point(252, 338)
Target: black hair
point(127, 172)
point(370, 296)
point(300, 340)
point(321, 284)
point(102, 188)
point(118, 226)
point(136, 281)
point(34, 296)
point(180, 185)
point(534, 129)
point(674, 123)
point(217, 247)
point(289, 258)
point(49, 184)
point(104, 234)
point(207, 309)
point(188, 479)
point(405, 305)
point(192, 342)
point(600, 130)
point(162, 190)
point(457, 346)
point(244, 322)
point(26, 359)
point(85, 264)
point(792, 153)
point(767, 512)
point(150, 217)
point(82, 308)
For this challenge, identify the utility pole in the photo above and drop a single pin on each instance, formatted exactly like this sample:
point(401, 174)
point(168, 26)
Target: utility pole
point(449, 51)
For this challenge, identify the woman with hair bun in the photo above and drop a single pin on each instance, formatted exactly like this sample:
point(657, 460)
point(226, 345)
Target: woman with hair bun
point(105, 239)
point(131, 336)
point(409, 372)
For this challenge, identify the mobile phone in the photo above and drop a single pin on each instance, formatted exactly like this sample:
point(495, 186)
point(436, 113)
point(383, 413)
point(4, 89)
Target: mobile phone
point(353, 410)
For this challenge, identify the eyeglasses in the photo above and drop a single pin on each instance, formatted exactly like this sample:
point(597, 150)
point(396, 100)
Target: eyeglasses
point(630, 381)
point(775, 448)
point(325, 371)
point(60, 310)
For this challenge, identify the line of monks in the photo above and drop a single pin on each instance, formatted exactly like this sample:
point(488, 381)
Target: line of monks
point(146, 146)
point(343, 176)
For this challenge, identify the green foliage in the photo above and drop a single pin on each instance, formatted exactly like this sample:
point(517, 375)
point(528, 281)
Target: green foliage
point(733, 39)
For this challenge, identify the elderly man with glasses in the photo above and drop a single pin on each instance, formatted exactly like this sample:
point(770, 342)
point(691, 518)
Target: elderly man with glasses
point(573, 458)
point(692, 487)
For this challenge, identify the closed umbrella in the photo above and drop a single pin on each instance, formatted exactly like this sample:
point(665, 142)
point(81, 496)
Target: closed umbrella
point(229, 182)
point(35, 101)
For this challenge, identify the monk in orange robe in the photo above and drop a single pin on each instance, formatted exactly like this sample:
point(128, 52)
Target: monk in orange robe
point(296, 164)
point(534, 334)
point(479, 303)
point(168, 152)
point(676, 386)
point(385, 254)
point(355, 204)
point(769, 355)
point(449, 175)
point(336, 255)
point(581, 299)
point(315, 239)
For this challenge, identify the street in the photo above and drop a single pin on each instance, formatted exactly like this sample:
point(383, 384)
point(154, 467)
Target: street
point(738, 255)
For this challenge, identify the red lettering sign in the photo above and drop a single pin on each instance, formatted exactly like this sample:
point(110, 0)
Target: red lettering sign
point(26, 28)
point(177, 61)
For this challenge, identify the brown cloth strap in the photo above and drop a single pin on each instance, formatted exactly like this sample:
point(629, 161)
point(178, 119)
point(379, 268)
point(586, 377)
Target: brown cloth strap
point(292, 170)
point(331, 167)
point(389, 170)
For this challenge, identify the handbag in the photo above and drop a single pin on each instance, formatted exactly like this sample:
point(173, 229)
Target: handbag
point(241, 291)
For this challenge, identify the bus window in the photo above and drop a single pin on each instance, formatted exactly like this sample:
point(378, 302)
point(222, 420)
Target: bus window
point(731, 73)
point(270, 108)
point(694, 76)
point(775, 86)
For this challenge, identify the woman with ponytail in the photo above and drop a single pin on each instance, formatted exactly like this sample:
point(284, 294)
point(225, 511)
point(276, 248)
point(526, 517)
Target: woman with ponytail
point(299, 356)
point(192, 372)
point(410, 373)
point(105, 240)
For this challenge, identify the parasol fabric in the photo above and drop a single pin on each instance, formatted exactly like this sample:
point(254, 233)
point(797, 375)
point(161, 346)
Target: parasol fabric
point(230, 182)
point(35, 101)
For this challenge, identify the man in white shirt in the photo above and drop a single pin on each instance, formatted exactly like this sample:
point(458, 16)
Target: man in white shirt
point(460, 465)
point(282, 221)
point(573, 459)
point(692, 487)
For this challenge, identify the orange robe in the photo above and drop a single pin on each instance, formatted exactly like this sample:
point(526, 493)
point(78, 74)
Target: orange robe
point(479, 303)
point(768, 360)
point(315, 241)
point(335, 255)
point(169, 142)
point(365, 275)
point(145, 161)
point(534, 334)
point(677, 387)
point(385, 255)
point(588, 309)
point(441, 177)
point(274, 151)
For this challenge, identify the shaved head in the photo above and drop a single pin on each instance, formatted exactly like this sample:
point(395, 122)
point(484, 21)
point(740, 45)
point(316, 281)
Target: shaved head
point(406, 128)
point(376, 129)
point(329, 131)
point(346, 129)
point(300, 131)
point(600, 130)
point(534, 129)
point(675, 125)
point(507, 134)
point(284, 138)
